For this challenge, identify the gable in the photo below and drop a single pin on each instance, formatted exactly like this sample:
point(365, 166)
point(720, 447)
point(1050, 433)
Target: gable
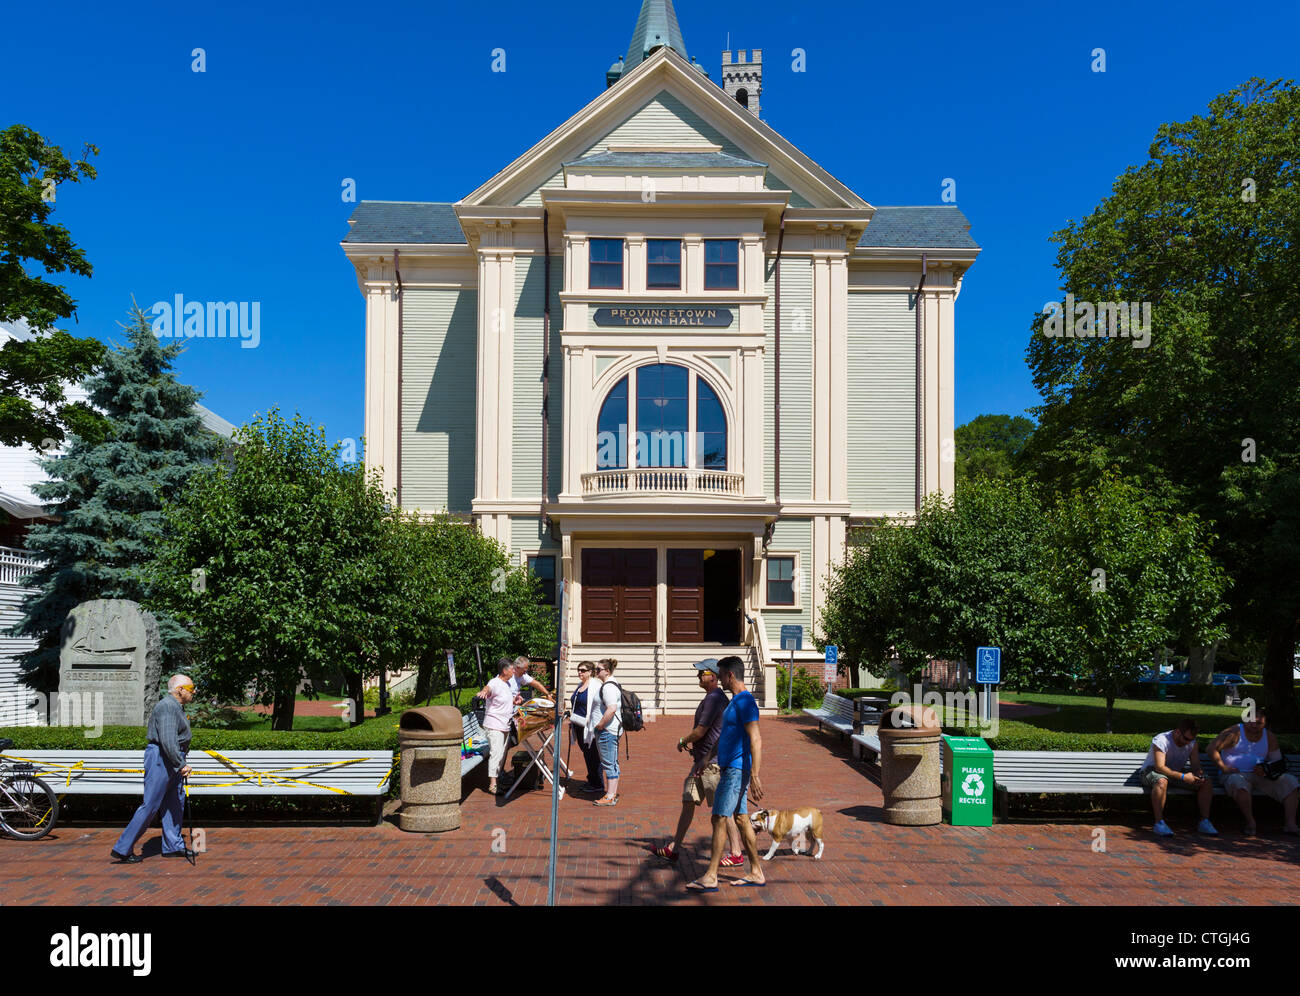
point(664, 119)
point(664, 102)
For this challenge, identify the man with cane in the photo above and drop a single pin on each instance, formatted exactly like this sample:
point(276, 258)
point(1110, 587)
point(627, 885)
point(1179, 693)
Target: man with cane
point(164, 773)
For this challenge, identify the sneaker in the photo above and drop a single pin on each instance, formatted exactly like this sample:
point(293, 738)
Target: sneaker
point(1206, 827)
point(732, 861)
point(667, 852)
point(1162, 829)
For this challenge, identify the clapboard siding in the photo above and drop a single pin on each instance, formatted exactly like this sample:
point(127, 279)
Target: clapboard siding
point(14, 710)
point(792, 534)
point(526, 459)
point(665, 120)
point(796, 380)
point(881, 459)
point(439, 363)
point(527, 535)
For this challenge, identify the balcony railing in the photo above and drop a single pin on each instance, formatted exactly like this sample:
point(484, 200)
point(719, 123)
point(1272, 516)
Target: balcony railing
point(662, 480)
point(16, 563)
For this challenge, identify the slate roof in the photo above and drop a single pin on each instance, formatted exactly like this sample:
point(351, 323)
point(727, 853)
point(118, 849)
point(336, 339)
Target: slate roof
point(928, 227)
point(670, 160)
point(405, 222)
point(415, 222)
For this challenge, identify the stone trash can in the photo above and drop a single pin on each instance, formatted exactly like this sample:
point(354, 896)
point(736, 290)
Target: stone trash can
point(430, 740)
point(909, 766)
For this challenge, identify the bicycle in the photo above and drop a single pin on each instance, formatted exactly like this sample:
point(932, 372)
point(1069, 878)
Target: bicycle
point(28, 807)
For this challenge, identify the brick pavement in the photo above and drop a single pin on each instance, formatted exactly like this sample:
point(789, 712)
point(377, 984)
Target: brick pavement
point(604, 853)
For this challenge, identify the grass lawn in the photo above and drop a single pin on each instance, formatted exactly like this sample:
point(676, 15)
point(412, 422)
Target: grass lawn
point(332, 724)
point(1087, 714)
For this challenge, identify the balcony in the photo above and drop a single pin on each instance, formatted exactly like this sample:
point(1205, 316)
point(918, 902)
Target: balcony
point(662, 481)
point(14, 564)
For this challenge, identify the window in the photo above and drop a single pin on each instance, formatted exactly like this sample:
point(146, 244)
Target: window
point(662, 412)
point(710, 429)
point(543, 568)
point(606, 272)
point(663, 268)
point(742, 98)
point(611, 430)
point(721, 264)
point(780, 580)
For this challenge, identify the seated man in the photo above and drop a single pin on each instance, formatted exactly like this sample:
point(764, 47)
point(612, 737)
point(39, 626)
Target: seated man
point(1171, 752)
point(1241, 752)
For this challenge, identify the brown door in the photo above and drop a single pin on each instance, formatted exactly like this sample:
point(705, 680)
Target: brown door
point(619, 596)
point(685, 596)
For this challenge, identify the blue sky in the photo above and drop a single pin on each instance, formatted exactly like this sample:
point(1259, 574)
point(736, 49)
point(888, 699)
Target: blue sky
point(225, 185)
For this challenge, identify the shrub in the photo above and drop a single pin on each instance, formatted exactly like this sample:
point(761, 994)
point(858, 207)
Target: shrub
point(808, 688)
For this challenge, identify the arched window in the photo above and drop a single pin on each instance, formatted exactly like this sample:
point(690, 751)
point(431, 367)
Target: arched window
point(611, 429)
point(742, 98)
point(665, 431)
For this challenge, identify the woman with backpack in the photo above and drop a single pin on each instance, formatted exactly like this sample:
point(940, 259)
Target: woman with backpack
point(583, 706)
point(606, 727)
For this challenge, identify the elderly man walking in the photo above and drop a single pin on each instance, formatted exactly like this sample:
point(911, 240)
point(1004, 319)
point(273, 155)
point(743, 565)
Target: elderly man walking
point(164, 773)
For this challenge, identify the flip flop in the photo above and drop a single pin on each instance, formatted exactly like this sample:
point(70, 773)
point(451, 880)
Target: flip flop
point(740, 882)
point(697, 887)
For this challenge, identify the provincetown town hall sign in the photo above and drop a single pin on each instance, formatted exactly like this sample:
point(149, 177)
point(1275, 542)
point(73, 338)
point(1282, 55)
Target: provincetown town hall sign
point(713, 318)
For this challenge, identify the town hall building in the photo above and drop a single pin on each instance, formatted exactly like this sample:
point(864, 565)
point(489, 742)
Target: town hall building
point(668, 358)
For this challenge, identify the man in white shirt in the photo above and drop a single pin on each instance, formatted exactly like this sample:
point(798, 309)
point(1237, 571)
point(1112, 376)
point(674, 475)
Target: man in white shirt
point(520, 679)
point(1170, 753)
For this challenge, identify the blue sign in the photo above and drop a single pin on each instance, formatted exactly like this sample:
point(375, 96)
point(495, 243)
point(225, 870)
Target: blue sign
point(832, 654)
point(988, 665)
point(791, 637)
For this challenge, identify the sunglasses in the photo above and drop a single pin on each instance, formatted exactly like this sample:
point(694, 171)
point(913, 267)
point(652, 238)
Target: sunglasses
point(189, 688)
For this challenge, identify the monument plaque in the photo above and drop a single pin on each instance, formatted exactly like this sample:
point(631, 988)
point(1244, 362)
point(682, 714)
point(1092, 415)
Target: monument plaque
point(111, 648)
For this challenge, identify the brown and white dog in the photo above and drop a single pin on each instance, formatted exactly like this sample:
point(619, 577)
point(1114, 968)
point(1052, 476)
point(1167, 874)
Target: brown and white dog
point(786, 824)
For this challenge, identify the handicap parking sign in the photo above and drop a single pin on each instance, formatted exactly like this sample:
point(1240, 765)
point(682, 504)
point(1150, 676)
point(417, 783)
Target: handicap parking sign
point(988, 665)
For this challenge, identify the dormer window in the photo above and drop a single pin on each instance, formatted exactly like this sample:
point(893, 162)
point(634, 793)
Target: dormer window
point(663, 270)
point(606, 264)
point(721, 264)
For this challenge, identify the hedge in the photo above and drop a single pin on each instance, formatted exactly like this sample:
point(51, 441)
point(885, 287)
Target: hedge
point(366, 737)
point(1014, 735)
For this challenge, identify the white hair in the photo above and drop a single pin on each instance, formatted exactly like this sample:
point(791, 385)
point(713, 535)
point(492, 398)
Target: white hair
point(176, 680)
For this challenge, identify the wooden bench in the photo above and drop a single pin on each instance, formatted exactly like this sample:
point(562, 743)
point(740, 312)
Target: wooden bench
point(835, 712)
point(1022, 772)
point(474, 735)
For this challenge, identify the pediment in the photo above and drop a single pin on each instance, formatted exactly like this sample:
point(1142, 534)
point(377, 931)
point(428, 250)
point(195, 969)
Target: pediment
point(665, 102)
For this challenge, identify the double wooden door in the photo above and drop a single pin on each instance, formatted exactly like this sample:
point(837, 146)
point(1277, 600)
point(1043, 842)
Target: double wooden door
point(619, 596)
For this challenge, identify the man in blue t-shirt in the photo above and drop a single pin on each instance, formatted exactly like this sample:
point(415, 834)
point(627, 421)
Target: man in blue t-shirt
point(740, 755)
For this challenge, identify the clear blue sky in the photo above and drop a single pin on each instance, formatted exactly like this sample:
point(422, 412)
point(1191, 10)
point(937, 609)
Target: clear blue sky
point(225, 185)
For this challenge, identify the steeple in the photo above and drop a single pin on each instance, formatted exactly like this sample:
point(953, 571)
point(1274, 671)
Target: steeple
point(655, 28)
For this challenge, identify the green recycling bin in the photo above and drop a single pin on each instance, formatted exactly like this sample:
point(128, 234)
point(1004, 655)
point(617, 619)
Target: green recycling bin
point(967, 784)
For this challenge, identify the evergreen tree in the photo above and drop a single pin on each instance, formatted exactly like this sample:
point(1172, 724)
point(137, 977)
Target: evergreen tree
point(108, 496)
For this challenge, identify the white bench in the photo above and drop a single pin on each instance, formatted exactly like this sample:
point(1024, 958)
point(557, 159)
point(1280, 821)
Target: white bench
point(835, 712)
point(474, 735)
point(866, 742)
point(1022, 772)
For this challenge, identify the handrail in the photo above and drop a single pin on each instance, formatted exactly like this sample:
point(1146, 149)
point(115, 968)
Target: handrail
point(15, 564)
point(672, 480)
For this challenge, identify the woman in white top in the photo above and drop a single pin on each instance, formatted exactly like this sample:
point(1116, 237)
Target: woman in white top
point(583, 704)
point(607, 727)
point(496, 723)
point(1241, 752)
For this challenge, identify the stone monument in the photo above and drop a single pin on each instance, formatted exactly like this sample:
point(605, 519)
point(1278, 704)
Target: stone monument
point(111, 647)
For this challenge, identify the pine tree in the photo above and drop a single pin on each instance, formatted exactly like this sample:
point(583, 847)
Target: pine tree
point(109, 497)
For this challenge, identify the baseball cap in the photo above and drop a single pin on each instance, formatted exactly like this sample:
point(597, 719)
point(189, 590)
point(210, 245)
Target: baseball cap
point(708, 664)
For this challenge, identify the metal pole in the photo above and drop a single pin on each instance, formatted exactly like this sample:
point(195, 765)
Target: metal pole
point(789, 703)
point(555, 745)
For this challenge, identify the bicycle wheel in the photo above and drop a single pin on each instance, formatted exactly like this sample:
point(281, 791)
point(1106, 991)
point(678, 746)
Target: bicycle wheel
point(28, 807)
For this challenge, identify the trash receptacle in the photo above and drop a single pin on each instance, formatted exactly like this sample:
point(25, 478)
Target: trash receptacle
point(909, 766)
point(967, 782)
point(430, 741)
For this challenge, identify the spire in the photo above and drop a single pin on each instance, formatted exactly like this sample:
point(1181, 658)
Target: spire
point(656, 27)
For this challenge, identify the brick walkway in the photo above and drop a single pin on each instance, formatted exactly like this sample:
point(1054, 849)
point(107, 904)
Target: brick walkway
point(604, 853)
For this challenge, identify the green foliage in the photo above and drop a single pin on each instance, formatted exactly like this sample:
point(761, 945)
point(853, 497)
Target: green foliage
point(1208, 415)
point(987, 446)
point(33, 406)
point(110, 495)
point(370, 736)
point(808, 688)
point(213, 714)
point(1121, 577)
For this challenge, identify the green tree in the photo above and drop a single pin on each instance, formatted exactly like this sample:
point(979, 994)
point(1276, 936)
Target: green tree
point(33, 406)
point(110, 495)
point(1123, 577)
point(987, 446)
point(1207, 416)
